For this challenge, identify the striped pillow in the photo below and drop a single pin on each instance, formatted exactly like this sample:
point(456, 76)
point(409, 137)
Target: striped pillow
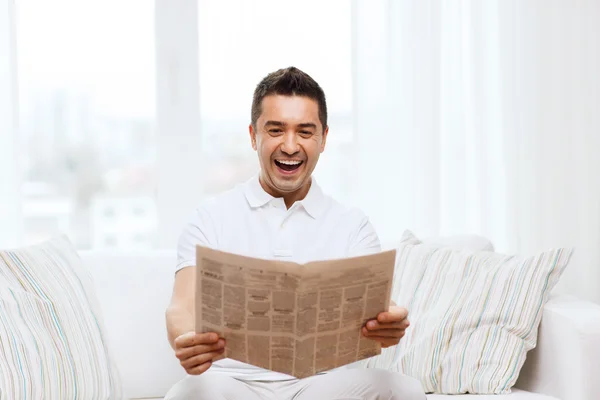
point(474, 315)
point(52, 344)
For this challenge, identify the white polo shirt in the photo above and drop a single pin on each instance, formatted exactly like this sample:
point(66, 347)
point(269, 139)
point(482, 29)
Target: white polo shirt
point(248, 221)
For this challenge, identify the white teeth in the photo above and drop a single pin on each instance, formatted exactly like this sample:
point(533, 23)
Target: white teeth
point(288, 162)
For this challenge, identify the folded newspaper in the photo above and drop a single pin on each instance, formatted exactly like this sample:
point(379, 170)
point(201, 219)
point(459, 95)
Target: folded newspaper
point(298, 319)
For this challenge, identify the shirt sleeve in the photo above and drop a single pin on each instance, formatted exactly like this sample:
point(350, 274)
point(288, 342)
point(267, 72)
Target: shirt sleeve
point(200, 230)
point(365, 241)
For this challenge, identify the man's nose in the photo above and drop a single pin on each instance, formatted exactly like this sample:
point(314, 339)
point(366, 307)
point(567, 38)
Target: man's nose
point(290, 144)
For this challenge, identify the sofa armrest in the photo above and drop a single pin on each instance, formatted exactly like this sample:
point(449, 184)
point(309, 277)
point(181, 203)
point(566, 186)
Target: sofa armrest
point(566, 362)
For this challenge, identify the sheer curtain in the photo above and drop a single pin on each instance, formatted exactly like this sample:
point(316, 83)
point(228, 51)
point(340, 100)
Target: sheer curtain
point(482, 117)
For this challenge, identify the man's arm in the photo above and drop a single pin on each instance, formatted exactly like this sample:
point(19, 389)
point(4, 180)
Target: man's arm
point(195, 351)
point(389, 327)
point(180, 313)
point(200, 230)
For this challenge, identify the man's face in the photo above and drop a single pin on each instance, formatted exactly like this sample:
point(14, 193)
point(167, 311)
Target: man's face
point(289, 138)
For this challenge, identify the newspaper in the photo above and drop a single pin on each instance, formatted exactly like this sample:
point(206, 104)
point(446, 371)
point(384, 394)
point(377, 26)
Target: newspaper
point(292, 318)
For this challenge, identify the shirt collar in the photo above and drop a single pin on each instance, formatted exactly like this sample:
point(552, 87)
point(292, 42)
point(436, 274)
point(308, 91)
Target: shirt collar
point(255, 194)
point(313, 203)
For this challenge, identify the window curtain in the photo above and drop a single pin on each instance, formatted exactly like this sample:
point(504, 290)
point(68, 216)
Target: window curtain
point(482, 117)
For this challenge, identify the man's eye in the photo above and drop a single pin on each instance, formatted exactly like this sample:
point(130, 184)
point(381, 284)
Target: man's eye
point(305, 133)
point(275, 130)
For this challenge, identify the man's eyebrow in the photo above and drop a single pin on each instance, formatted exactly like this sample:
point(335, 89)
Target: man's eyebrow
point(283, 124)
point(276, 123)
point(307, 125)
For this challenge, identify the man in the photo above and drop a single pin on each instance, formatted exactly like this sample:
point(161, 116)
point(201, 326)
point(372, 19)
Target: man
point(279, 214)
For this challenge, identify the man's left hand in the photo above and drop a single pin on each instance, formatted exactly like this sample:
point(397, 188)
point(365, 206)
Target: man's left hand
point(389, 327)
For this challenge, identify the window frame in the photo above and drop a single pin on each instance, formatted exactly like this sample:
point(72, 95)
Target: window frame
point(179, 138)
point(11, 178)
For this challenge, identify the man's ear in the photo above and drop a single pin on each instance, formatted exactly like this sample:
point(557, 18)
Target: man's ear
point(325, 132)
point(252, 136)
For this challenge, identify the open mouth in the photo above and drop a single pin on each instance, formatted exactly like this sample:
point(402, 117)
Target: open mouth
point(288, 165)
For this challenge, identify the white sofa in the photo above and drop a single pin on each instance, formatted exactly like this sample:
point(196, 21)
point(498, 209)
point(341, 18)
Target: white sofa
point(134, 290)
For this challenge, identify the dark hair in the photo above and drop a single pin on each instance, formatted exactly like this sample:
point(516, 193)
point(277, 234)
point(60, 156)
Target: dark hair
point(288, 82)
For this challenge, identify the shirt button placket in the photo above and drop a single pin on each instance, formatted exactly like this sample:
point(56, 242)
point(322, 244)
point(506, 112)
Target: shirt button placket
point(282, 242)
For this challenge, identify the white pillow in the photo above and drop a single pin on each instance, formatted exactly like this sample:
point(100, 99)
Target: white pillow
point(474, 315)
point(457, 242)
point(52, 344)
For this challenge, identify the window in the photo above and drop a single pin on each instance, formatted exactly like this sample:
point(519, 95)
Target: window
point(87, 133)
point(117, 143)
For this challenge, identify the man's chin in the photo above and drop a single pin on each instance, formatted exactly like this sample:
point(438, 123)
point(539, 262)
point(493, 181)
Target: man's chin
point(288, 185)
point(287, 189)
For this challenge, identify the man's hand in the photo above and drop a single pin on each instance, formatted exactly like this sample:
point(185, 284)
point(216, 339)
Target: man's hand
point(388, 328)
point(196, 351)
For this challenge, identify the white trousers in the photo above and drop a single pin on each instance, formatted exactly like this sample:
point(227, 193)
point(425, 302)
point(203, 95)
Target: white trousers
point(347, 384)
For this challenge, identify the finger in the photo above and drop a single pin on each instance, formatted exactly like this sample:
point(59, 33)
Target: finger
point(385, 342)
point(200, 359)
point(192, 339)
point(376, 325)
point(187, 352)
point(396, 314)
point(387, 333)
point(385, 345)
point(200, 369)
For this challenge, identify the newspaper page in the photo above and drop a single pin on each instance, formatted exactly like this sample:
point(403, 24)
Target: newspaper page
point(298, 319)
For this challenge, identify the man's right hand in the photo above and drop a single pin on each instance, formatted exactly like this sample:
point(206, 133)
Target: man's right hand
point(196, 351)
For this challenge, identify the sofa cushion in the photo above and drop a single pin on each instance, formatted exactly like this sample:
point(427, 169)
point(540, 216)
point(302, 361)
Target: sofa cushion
point(474, 315)
point(52, 343)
